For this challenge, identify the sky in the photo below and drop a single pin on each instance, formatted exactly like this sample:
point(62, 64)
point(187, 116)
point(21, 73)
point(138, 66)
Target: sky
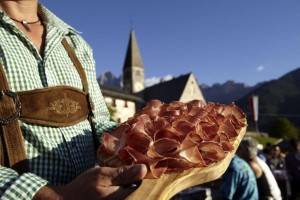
point(247, 41)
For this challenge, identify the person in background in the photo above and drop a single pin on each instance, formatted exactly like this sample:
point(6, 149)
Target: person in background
point(261, 153)
point(275, 159)
point(274, 188)
point(238, 182)
point(292, 161)
point(61, 159)
point(247, 150)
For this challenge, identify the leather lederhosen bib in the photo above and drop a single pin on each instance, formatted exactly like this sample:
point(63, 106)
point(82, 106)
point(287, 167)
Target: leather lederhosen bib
point(57, 106)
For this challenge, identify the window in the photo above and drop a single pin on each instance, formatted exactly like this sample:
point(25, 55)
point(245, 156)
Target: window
point(138, 75)
point(193, 87)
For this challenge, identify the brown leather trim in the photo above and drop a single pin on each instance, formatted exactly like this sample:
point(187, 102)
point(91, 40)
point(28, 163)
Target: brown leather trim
point(54, 106)
point(12, 150)
point(85, 84)
point(77, 64)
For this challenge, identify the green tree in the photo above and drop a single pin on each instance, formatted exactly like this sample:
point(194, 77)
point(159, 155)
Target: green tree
point(283, 128)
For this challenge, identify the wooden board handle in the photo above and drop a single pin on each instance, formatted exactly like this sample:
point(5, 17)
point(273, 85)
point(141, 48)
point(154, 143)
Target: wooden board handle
point(170, 184)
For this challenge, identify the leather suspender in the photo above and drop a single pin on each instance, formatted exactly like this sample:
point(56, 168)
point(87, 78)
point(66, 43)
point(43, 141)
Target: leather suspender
point(12, 150)
point(82, 74)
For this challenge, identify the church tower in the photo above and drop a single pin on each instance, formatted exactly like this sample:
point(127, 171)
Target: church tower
point(133, 69)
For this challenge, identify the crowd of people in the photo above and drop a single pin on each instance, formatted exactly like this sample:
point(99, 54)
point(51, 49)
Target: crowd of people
point(269, 173)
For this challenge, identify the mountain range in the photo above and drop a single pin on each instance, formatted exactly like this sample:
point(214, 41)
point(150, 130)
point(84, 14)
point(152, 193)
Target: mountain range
point(227, 92)
point(277, 98)
point(109, 79)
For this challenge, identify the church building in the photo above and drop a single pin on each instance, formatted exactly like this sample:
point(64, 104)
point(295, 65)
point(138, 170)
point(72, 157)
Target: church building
point(135, 95)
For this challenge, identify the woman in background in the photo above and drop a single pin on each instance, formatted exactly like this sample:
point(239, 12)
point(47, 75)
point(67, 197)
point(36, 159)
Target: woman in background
point(267, 187)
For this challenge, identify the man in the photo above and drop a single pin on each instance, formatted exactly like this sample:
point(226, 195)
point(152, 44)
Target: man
point(274, 188)
point(267, 185)
point(292, 161)
point(238, 181)
point(34, 56)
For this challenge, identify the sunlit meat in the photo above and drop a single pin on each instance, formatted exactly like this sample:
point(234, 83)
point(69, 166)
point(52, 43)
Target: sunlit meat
point(171, 138)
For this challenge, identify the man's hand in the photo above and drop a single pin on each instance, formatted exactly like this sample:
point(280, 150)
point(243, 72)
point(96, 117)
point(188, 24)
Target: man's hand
point(97, 183)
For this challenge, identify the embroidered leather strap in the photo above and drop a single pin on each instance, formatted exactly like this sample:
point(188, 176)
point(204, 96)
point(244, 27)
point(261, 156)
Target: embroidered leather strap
point(58, 106)
point(54, 106)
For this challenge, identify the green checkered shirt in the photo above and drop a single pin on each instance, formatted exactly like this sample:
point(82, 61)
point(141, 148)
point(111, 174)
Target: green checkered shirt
point(56, 155)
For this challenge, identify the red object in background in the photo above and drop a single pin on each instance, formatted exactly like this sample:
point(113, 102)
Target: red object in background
point(253, 101)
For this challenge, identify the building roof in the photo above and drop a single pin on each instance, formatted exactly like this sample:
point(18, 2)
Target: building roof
point(133, 57)
point(120, 94)
point(167, 91)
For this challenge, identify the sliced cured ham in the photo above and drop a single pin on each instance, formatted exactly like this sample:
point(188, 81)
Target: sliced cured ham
point(171, 138)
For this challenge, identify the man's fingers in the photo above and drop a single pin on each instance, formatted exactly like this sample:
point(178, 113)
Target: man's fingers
point(126, 176)
point(120, 193)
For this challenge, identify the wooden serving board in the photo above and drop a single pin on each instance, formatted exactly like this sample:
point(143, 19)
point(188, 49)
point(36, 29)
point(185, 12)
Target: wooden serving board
point(170, 184)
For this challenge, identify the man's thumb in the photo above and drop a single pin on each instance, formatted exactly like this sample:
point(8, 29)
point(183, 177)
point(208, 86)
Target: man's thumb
point(129, 174)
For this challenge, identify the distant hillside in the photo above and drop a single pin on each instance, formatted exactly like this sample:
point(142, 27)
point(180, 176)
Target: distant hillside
point(227, 92)
point(277, 98)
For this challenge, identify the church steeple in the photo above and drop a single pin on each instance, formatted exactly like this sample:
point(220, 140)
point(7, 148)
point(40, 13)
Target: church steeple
point(133, 69)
